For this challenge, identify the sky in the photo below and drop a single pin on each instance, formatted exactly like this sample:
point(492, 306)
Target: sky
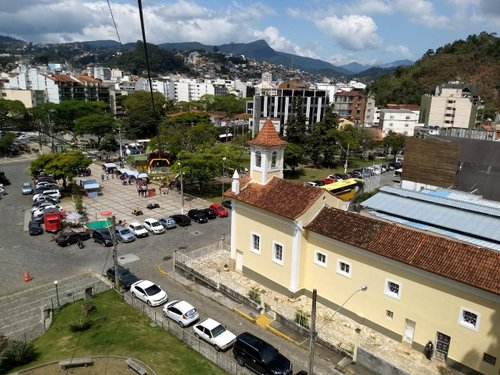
point(337, 31)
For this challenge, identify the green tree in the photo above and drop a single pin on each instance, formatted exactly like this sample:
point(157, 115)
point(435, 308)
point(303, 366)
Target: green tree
point(96, 124)
point(394, 142)
point(13, 113)
point(294, 155)
point(296, 128)
point(109, 143)
point(141, 120)
point(63, 166)
point(6, 143)
point(63, 115)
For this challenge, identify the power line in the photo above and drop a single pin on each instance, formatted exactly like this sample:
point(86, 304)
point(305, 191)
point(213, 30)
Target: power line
point(114, 24)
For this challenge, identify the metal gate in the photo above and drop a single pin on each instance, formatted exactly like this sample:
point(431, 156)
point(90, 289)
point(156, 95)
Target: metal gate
point(442, 346)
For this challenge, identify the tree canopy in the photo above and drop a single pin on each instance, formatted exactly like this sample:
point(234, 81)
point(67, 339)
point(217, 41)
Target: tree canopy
point(12, 113)
point(95, 124)
point(65, 165)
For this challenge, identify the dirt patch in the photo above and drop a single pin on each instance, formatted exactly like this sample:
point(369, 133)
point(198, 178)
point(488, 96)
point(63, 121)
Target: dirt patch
point(108, 366)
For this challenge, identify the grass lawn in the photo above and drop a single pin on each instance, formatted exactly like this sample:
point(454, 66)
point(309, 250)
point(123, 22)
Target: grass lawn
point(120, 330)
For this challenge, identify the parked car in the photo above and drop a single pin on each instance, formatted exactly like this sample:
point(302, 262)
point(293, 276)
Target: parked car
point(27, 188)
point(48, 186)
point(227, 204)
point(71, 237)
point(53, 193)
point(124, 234)
point(214, 333)
point(125, 277)
point(260, 356)
point(44, 204)
point(138, 229)
point(181, 312)
point(154, 226)
point(328, 180)
point(41, 210)
point(44, 198)
point(209, 213)
point(148, 292)
point(167, 222)
point(198, 216)
point(181, 220)
point(103, 236)
point(35, 227)
point(219, 210)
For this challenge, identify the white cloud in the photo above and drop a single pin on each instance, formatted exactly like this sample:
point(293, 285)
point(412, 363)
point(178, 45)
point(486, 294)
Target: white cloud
point(422, 11)
point(279, 43)
point(400, 50)
point(352, 32)
point(370, 7)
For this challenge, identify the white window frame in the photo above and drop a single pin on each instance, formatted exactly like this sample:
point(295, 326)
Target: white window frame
point(275, 259)
point(389, 293)
point(468, 325)
point(274, 159)
point(340, 271)
point(252, 248)
point(258, 159)
point(318, 262)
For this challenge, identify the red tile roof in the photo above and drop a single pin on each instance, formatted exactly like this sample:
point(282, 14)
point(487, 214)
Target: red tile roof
point(468, 264)
point(278, 196)
point(267, 136)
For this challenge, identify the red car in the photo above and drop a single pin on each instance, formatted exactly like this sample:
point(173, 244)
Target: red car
point(219, 210)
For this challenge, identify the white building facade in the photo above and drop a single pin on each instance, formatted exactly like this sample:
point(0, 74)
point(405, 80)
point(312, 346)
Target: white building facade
point(402, 121)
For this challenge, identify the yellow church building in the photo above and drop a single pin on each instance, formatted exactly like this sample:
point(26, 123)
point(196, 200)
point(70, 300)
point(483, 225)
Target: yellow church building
point(421, 287)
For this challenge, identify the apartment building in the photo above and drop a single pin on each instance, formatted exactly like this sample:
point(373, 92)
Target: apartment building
point(402, 121)
point(454, 105)
point(353, 104)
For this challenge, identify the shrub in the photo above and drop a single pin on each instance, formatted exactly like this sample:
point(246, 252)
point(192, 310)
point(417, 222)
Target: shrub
point(81, 324)
point(302, 318)
point(254, 294)
point(17, 354)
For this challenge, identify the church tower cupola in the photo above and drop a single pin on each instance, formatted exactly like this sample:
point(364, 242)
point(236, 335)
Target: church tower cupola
point(267, 151)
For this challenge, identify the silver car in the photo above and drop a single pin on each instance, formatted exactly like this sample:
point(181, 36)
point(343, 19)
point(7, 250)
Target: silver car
point(167, 222)
point(124, 234)
point(27, 188)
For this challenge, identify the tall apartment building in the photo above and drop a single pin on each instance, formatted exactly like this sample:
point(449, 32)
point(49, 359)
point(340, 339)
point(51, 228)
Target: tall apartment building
point(454, 105)
point(278, 104)
point(353, 104)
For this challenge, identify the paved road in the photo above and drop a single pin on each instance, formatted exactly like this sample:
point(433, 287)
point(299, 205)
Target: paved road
point(47, 262)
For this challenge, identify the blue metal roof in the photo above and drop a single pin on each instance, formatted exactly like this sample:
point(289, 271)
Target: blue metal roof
point(450, 217)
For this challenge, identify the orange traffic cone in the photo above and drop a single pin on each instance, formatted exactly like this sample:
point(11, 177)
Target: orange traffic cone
point(27, 276)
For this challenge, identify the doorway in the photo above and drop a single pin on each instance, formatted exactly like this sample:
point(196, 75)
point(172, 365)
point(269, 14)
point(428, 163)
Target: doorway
point(409, 331)
point(442, 345)
point(239, 261)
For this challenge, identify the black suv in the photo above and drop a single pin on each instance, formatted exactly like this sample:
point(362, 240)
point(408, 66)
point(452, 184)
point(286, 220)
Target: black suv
point(198, 215)
point(260, 356)
point(125, 277)
point(68, 238)
point(103, 237)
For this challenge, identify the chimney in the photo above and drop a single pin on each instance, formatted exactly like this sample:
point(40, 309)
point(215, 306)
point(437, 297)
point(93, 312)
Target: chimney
point(235, 186)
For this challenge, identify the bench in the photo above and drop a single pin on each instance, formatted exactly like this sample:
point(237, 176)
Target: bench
point(136, 367)
point(76, 362)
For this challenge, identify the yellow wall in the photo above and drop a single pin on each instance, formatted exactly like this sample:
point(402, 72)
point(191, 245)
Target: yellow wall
point(270, 228)
point(425, 299)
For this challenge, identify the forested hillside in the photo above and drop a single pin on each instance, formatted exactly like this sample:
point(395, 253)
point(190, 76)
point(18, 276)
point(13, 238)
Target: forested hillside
point(475, 60)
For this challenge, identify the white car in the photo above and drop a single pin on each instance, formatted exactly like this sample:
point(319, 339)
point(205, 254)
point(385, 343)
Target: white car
point(53, 193)
point(214, 333)
point(40, 210)
point(27, 188)
point(154, 226)
point(148, 292)
point(181, 312)
point(138, 229)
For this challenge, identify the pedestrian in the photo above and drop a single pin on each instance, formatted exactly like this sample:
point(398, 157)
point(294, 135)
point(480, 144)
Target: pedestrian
point(107, 175)
point(139, 191)
point(102, 176)
point(429, 350)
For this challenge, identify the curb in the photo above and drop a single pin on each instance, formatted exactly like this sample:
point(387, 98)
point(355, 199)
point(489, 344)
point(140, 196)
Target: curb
point(160, 270)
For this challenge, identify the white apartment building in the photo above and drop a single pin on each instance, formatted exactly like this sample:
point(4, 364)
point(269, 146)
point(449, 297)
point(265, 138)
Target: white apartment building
point(33, 79)
point(453, 105)
point(402, 121)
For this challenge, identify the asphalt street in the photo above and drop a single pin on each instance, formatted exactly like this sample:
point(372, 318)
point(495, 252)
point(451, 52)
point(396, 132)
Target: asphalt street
point(46, 262)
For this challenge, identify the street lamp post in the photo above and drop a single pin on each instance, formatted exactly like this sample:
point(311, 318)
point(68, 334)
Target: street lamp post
point(313, 332)
point(120, 139)
point(182, 189)
point(223, 167)
point(57, 293)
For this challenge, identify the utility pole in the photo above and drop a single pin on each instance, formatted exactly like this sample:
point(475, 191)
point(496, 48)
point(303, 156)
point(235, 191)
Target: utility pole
point(182, 189)
point(312, 332)
point(115, 253)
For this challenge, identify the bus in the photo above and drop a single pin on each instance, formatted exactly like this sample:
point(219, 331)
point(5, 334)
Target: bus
point(345, 189)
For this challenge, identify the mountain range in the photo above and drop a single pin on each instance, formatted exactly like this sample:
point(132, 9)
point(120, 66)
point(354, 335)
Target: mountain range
point(261, 51)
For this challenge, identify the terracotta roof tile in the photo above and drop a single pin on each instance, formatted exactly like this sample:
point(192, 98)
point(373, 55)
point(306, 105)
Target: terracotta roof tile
point(278, 196)
point(465, 263)
point(267, 136)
